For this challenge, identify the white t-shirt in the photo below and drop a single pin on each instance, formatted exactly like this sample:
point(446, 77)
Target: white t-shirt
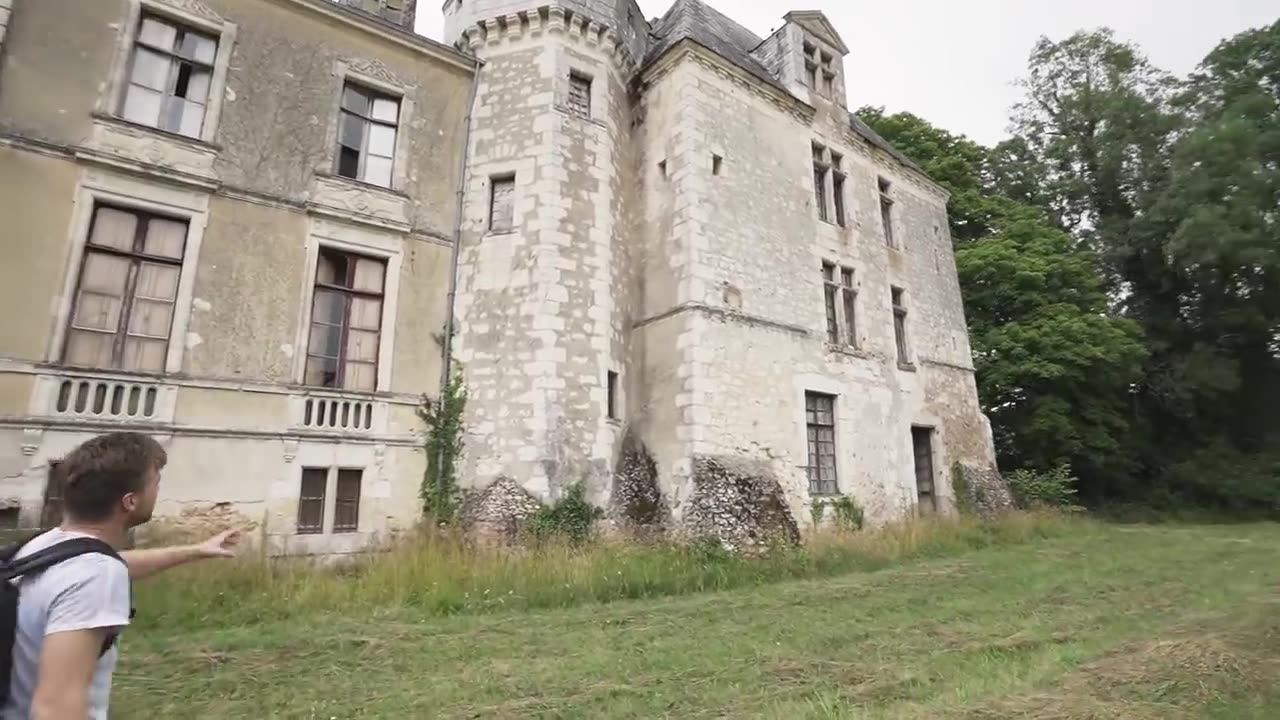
point(85, 592)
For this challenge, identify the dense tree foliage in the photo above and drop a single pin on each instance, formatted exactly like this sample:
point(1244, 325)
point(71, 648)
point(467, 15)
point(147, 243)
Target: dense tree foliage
point(1120, 260)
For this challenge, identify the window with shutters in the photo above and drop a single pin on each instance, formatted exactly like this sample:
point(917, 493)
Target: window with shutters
point(502, 203)
point(580, 95)
point(346, 321)
point(311, 501)
point(126, 291)
point(346, 501)
point(820, 424)
point(367, 128)
point(170, 72)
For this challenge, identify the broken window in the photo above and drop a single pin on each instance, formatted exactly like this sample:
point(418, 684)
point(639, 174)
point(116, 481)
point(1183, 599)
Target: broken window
point(502, 203)
point(886, 212)
point(900, 325)
point(820, 171)
point(367, 135)
point(169, 77)
point(346, 321)
point(611, 390)
point(580, 95)
point(830, 289)
point(126, 293)
point(850, 296)
point(346, 501)
point(311, 501)
point(837, 186)
point(820, 424)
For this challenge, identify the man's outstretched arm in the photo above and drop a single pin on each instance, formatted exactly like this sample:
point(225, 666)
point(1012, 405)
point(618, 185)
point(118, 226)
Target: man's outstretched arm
point(145, 563)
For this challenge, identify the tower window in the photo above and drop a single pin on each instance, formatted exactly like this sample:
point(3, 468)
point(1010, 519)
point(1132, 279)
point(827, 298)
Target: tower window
point(580, 95)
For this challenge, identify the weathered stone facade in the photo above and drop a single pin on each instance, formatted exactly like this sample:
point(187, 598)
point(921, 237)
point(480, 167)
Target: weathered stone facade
point(257, 187)
point(664, 273)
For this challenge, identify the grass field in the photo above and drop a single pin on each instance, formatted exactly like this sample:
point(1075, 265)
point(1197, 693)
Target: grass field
point(1084, 621)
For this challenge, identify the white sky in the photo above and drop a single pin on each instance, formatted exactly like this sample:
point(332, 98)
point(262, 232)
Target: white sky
point(953, 62)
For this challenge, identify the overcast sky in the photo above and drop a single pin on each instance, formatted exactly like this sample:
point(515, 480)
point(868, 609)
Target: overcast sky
point(953, 62)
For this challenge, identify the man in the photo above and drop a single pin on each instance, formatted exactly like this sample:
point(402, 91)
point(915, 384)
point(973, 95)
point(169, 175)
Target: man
point(70, 612)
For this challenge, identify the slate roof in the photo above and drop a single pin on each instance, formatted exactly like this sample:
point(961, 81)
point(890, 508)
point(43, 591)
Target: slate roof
point(696, 21)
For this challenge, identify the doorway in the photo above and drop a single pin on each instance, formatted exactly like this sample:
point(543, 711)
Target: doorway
point(922, 443)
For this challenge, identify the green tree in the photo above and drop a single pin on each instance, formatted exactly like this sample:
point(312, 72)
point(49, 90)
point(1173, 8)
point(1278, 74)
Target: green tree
point(1054, 369)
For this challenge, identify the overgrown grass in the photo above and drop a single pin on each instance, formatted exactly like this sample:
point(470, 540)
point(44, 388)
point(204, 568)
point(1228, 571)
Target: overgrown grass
point(437, 573)
point(1096, 622)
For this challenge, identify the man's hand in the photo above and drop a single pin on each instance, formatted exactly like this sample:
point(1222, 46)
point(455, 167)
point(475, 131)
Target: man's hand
point(222, 545)
point(145, 563)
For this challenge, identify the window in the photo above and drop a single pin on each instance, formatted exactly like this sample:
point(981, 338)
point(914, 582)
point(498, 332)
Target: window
point(311, 501)
point(886, 212)
point(367, 135)
point(611, 391)
point(820, 170)
point(830, 290)
point(717, 164)
point(662, 168)
point(900, 325)
point(346, 502)
point(811, 65)
point(828, 76)
point(922, 444)
point(820, 423)
point(850, 294)
point(169, 77)
point(51, 510)
point(346, 321)
point(580, 95)
point(502, 191)
point(837, 186)
point(127, 289)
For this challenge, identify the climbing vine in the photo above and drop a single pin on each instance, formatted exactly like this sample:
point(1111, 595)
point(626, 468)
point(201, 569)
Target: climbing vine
point(443, 445)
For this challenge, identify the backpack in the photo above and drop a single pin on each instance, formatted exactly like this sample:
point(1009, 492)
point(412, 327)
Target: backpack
point(33, 564)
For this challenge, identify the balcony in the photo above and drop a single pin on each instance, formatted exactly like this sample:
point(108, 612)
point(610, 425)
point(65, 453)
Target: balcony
point(103, 397)
point(337, 414)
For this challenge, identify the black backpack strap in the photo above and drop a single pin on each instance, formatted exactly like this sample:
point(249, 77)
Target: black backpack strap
point(42, 560)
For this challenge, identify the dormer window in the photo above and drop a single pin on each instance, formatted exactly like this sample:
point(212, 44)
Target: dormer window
point(811, 65)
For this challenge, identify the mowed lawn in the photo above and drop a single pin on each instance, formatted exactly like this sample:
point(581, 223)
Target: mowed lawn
point(1110, 622)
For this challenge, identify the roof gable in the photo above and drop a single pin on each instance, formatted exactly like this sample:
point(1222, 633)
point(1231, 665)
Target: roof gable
point(817, 23)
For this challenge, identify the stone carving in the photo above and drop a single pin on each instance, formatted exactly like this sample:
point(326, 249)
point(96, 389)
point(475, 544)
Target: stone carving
point(375, 69)
point(359, 203)
point(193, 7)
point(139, 145)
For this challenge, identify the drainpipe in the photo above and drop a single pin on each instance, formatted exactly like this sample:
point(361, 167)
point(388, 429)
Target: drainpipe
point(447, 364)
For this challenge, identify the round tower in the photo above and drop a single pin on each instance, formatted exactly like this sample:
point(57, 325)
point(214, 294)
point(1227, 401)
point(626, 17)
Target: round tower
point(546, 283)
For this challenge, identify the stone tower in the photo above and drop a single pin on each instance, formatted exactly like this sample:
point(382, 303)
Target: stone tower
point(547, 278)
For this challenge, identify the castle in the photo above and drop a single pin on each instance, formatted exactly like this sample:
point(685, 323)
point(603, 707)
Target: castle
point(675, 234)
point(669, 263)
